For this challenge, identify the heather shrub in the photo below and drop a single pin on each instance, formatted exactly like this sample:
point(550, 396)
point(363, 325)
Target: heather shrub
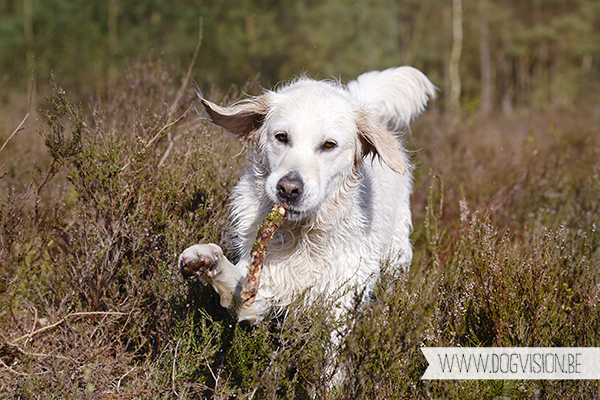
point(89, 247)
point(92, 306)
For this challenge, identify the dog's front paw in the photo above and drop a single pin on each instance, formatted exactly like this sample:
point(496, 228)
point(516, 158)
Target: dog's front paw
point(201, 261)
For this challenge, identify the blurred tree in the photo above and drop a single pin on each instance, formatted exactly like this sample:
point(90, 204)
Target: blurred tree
point(28, 34)
point(113, 13)
point(515, 54)
point(485, 57)
point(457, 45)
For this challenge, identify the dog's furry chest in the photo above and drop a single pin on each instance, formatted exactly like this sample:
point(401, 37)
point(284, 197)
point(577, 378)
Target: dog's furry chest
point(310, 260)
point(321, 259)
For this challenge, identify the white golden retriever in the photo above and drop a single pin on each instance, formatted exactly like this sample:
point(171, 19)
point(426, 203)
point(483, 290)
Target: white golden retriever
point(334, 155)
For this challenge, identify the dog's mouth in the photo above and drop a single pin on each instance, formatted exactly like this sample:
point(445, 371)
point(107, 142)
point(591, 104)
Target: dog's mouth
point(294, 214)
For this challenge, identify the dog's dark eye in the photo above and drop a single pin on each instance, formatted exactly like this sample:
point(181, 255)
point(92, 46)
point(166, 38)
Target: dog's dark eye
point(281, 137)
point(329, 144)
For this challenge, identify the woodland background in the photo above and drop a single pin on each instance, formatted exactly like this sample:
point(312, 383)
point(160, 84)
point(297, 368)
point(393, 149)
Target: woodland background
point(106, 175)
point(510, 54)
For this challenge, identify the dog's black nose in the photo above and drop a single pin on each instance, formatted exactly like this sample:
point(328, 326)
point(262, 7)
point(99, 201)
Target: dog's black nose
point(290, 187)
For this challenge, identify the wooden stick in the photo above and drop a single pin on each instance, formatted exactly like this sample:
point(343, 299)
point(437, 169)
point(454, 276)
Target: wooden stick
point(270, 224)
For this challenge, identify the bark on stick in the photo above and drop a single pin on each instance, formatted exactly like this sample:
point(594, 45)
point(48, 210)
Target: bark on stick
point(270, 224)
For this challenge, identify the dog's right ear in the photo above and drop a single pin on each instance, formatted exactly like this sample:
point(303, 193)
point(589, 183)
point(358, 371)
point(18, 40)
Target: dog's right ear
point(242, 119)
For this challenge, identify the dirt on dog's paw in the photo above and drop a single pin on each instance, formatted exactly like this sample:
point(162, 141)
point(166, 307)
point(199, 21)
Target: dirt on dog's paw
point(197, 262)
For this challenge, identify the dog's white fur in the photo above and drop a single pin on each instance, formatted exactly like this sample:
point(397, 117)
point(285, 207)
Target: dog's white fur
point(340, 149)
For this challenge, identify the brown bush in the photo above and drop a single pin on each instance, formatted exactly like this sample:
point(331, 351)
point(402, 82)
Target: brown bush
point(91, 304)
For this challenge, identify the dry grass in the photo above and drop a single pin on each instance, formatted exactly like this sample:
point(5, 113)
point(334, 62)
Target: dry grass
point(91, 306)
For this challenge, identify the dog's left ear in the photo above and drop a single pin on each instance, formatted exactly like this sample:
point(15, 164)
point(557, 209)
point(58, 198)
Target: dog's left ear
point(375, 139)
point(242, 119)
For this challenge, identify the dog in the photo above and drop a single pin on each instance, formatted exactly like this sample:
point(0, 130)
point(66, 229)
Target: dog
point(334, 155)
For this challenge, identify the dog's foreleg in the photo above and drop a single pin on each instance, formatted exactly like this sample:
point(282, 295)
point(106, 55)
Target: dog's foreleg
point(207, 262)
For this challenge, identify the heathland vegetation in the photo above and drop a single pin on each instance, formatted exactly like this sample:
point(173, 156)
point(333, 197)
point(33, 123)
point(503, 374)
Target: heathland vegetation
point(106, 175)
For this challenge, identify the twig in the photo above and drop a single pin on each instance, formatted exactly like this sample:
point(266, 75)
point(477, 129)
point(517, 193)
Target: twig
point(87, 360)
point(12, 370)
point(72, 315)
point(161, 133)
point(35, 318)
point(26, 115)
point(314, 386)
point(174, 364)
point(216, 378)
point(253, 393)
point(16, 130)
point(27, 353)
point(167, 152)
point(180, 94)
point(52, 171)
point(12, 313)
point(188, 74)
point(98, 326)
point(497, 204)
point(273, 221)
point(164, 131)
point(121, 378)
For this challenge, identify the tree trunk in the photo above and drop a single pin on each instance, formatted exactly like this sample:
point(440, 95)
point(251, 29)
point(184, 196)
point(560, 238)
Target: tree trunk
point(457, 34)
point(113, 12)
point(29, 40)
point(420, 26)
point(487, 88)
point(447, 29)
point(508, 87)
